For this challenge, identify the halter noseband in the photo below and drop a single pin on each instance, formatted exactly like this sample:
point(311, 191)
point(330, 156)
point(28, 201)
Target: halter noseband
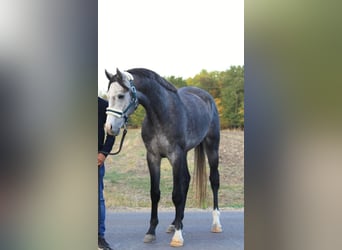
point(133, 102)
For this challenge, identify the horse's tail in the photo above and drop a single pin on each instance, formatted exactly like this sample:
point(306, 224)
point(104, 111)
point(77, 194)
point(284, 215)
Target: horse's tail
point(200, 174)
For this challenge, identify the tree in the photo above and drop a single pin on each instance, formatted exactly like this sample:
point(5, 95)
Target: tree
point(178, 82)
point(135, 120)
point(208, 81)
point(233, 97)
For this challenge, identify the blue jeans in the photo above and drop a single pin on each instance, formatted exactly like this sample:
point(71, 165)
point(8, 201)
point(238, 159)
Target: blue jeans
point(101, 202)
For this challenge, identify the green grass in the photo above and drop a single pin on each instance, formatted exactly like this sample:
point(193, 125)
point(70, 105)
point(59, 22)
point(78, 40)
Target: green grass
point(127, 180)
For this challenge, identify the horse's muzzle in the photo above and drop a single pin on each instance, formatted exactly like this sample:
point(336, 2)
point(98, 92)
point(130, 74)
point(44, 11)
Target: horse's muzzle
point(110, 131)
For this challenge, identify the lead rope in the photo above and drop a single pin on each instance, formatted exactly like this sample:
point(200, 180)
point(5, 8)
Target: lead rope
point(122, 140)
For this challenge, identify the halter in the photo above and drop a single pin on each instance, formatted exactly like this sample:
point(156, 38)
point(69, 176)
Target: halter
point(133, 102)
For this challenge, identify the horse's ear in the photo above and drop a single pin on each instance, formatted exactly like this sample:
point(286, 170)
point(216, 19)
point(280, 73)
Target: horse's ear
point(119, 75)
point(109, 75)
point(120, 79)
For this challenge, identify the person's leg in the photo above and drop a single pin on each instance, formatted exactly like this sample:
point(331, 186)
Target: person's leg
point(102, 243)
point(101, 203)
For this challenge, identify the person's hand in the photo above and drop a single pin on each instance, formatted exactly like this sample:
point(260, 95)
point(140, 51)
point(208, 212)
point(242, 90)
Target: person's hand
point(100, 159)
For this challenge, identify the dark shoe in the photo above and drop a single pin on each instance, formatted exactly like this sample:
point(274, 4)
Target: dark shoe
point(103, 244)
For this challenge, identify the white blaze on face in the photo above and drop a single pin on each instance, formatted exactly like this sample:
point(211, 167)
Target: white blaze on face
point(118, 99)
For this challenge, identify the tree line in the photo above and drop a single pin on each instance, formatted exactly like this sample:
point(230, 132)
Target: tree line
point(226, 87)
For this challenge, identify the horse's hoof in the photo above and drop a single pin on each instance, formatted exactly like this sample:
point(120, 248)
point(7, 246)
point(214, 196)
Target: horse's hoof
point(170, 229)
point(176, 243)
point(216, 228)
point(149, 238)
point(177, 239)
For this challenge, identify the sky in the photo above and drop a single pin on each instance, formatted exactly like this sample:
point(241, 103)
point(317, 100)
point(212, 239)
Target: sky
point(170, 37)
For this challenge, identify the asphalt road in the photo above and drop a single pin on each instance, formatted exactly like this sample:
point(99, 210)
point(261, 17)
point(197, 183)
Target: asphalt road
point(126, 230)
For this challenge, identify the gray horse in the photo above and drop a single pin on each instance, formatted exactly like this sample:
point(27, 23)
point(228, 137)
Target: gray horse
point(176, 121)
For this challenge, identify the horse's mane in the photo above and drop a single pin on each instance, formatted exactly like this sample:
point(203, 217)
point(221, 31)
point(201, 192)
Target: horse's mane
point(146, 73)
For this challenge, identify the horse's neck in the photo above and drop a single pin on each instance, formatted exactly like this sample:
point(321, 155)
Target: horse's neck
point(154, 98)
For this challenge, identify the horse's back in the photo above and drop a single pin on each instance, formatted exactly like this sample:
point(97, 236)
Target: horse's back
point(189, 90)
point(196, 99)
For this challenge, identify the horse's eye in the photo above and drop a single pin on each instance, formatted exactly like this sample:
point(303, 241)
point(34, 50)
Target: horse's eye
point(121, 96)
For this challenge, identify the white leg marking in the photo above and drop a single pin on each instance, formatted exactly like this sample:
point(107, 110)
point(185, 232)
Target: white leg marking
point(216, 226)
point(177, 239)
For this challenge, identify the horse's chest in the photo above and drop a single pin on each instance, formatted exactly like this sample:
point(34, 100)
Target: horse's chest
point(159, 144)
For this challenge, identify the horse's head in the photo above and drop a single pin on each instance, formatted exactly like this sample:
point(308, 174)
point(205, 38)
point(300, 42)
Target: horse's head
point(122, 101)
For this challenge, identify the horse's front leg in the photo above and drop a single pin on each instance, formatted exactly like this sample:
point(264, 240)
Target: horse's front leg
point(154, 168)
point(181, 180)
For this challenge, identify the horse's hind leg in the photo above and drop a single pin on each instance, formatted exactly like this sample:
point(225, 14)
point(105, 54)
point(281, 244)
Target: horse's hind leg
point(154, 168)
point(213, 159)
point(181, 180)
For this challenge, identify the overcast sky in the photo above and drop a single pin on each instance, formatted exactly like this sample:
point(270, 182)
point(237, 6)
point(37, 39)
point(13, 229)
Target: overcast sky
point(170, 37)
